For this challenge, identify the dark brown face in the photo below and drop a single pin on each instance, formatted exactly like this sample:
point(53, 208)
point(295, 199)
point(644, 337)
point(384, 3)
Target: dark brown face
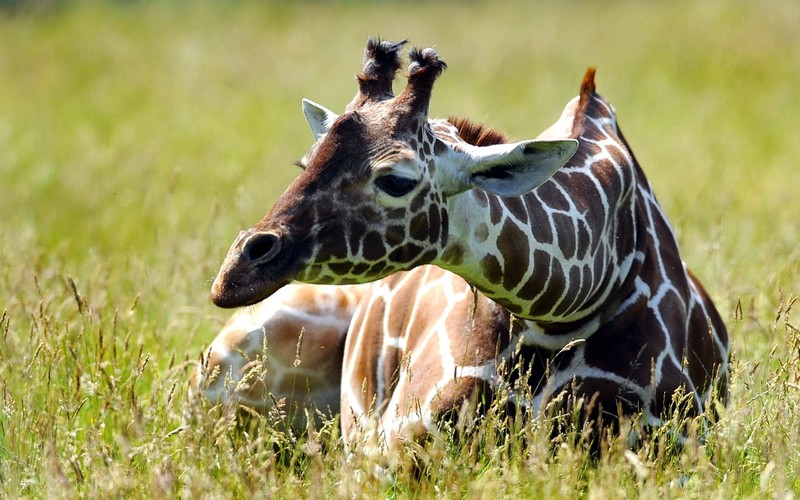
point(361, 210)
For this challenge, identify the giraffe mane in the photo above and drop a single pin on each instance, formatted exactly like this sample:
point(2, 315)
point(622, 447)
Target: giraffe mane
point(587, 91)
point(477, 134)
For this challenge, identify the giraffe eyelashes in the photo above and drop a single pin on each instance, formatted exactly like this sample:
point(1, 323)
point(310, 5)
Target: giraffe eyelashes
point(395, 186)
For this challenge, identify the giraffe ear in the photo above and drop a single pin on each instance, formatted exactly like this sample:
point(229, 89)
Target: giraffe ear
point(515, 169)
point(319, 117)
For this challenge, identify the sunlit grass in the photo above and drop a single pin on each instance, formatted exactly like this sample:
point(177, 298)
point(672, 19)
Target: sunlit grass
point(137, 139)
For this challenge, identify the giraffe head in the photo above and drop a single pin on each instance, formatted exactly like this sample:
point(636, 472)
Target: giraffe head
point(373, 197)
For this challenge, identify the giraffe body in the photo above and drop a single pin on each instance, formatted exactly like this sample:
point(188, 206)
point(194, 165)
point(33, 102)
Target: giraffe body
point(419, 345)
point(286, 349)
point(562, 234)
point(423, 345)
point(402, 353)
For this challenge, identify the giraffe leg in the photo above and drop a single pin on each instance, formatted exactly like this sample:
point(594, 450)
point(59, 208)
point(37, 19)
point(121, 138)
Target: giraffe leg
point(286, 349)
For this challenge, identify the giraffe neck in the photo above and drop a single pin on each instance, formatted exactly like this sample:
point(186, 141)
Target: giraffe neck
point(560, 253)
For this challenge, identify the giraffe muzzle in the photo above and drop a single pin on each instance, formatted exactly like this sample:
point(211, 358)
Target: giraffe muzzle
point(261, 247)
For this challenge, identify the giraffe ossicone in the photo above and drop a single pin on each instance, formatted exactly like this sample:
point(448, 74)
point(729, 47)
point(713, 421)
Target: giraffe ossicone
point(577, 266)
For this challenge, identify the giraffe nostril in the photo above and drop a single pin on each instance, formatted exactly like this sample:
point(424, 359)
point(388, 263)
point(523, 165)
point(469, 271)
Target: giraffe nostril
point(261, 246)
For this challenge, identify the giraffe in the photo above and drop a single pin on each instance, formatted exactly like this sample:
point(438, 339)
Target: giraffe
point(429, 322)
point(564, 233)
point(286, 349)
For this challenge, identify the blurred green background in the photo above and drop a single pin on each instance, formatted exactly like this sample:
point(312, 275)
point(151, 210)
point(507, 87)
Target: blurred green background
point(138, 138)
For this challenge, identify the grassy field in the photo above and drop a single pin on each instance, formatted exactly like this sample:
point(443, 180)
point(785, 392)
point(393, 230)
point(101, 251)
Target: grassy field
point(137, 139)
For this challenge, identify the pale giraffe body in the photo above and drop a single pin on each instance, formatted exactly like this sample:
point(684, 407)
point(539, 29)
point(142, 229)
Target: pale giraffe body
point(286, 349)
point(583, 253)
point(422, 345)
point(419, 345)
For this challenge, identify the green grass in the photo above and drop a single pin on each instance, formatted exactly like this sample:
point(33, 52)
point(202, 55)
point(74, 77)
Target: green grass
point(137, 139)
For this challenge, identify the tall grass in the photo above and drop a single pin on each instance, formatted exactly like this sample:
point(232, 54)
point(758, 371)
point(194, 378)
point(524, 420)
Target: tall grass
point(136, 139)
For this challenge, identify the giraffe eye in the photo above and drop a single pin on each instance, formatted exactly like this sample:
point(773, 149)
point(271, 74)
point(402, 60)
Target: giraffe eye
point(394, 185)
